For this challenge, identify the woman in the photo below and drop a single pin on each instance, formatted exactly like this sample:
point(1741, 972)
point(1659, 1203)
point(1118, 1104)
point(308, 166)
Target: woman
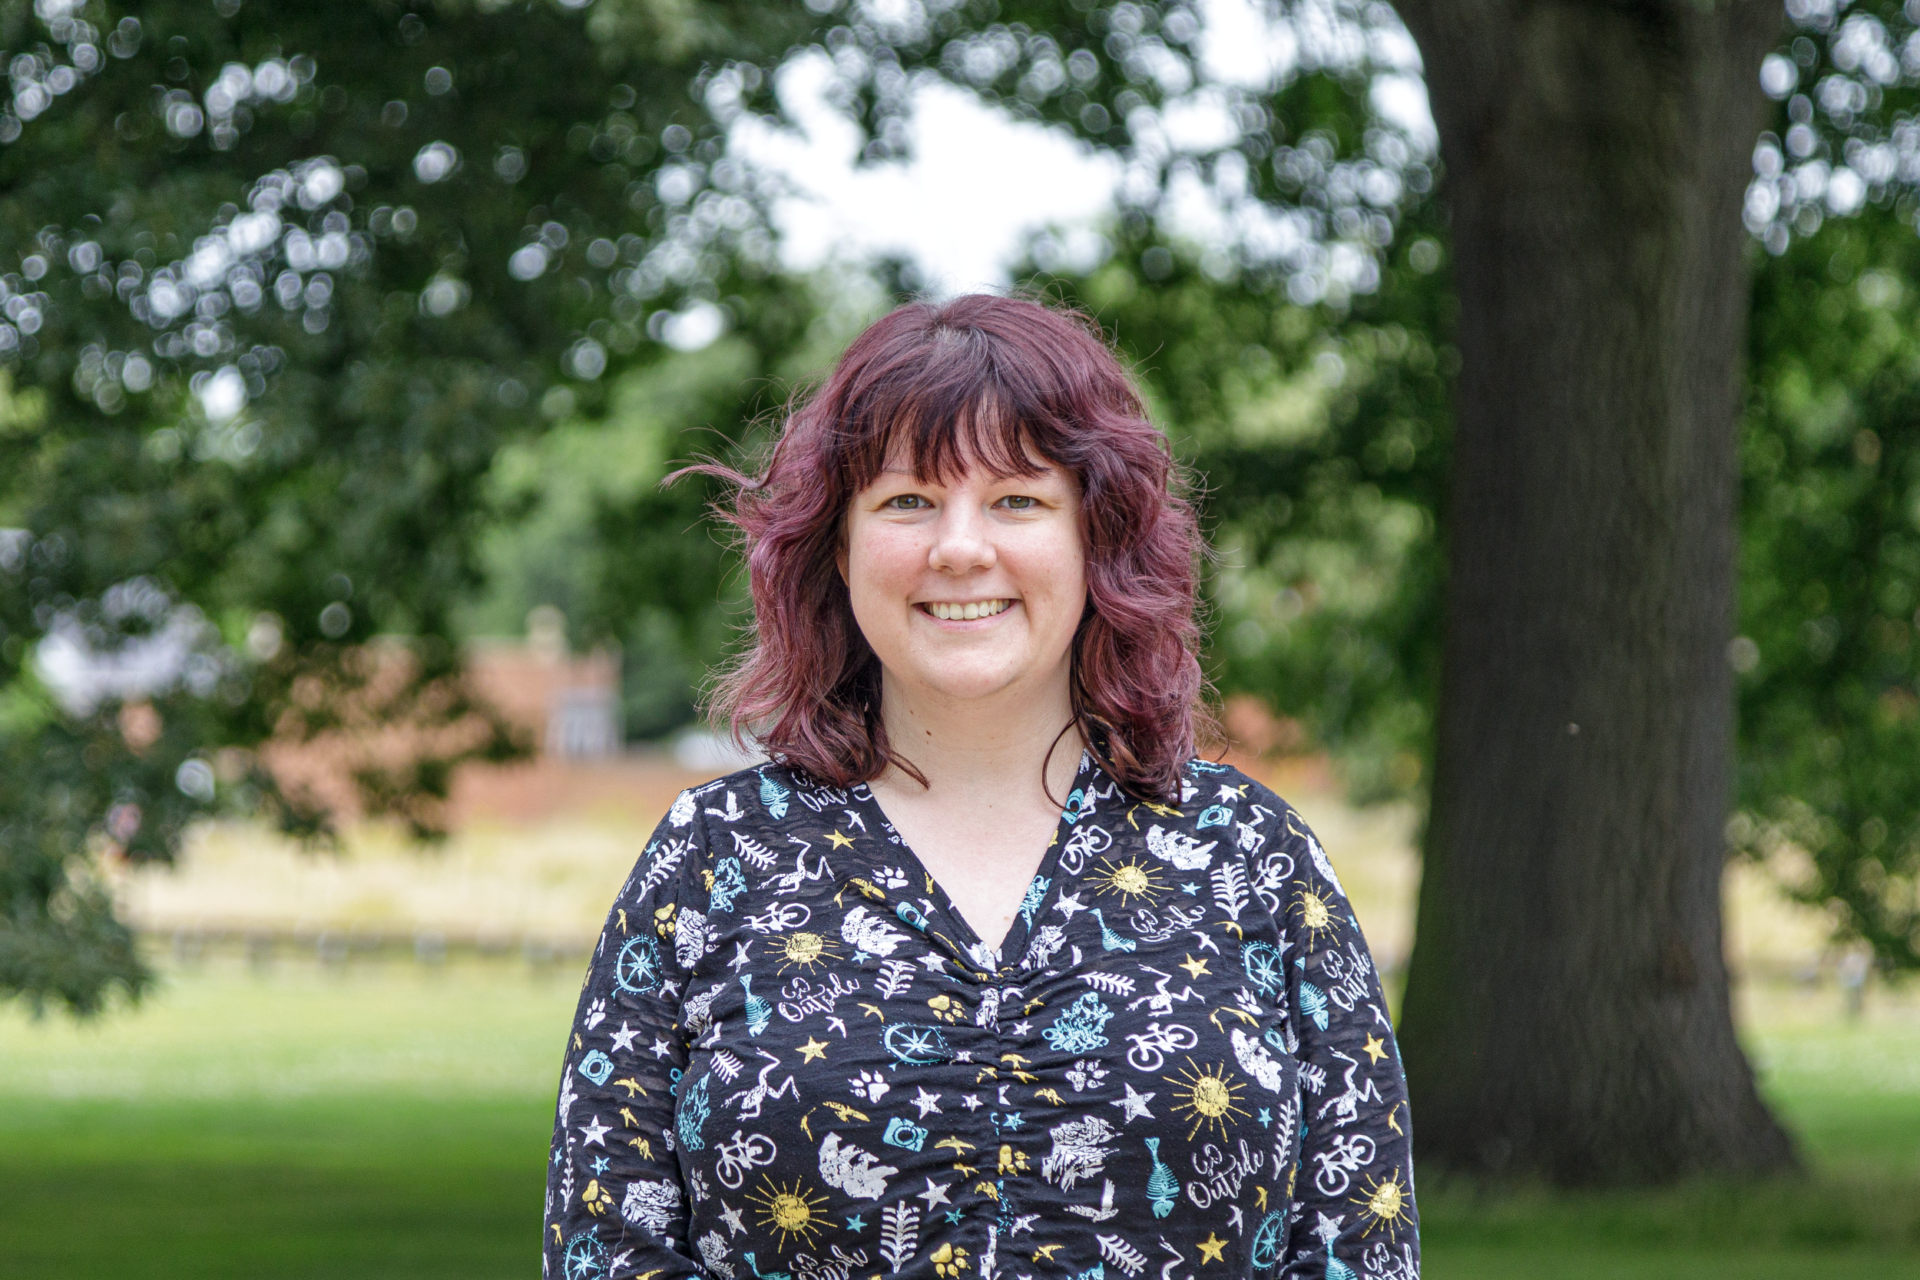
point(985, 976)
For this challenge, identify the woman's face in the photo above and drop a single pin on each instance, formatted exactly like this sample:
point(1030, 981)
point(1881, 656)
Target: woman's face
point(968, 588)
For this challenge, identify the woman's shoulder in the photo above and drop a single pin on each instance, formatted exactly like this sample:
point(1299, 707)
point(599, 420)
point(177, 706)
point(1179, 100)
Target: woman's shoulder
point(1211, 782)
point(767, 793)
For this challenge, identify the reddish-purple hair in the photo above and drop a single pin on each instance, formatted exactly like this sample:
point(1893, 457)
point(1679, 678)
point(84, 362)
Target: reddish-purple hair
point(997, 381)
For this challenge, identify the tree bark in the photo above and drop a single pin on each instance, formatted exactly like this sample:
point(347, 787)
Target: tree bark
point(1567, 1011)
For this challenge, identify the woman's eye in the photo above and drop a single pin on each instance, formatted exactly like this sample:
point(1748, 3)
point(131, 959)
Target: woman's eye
point(907, 502)
point(1019, 502)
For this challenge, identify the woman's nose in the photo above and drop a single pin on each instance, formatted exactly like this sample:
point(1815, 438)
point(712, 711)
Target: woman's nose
point(960, 542)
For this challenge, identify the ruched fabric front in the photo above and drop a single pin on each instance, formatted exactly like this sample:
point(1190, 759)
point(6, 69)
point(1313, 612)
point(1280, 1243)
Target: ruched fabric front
point(793, 1060)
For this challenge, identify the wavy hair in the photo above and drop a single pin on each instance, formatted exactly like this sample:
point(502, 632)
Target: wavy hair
point(979, 380)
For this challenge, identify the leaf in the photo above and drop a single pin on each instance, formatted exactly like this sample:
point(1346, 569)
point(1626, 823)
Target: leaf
point(1114, 984)
point(1123, 1255)
point(899, 1234)
point(895, 977)
point(752, 852)
point(1230, 888)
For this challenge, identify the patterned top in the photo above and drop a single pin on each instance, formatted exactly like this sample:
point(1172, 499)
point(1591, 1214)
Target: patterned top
point(794, 1060)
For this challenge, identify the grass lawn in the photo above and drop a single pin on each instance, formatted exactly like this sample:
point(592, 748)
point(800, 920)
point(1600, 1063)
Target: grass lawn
point(390, 1122)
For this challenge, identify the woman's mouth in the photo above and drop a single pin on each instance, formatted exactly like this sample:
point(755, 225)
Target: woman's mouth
point(956, 611)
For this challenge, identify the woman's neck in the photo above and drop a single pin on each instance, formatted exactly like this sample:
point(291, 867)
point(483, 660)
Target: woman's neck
point(992, 747)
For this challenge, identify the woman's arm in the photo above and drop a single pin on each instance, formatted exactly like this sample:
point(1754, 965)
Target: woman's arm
point(1353, 1211)
point(615, 1205)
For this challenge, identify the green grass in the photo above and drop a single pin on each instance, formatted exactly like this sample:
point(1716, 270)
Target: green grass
point(389, 1123)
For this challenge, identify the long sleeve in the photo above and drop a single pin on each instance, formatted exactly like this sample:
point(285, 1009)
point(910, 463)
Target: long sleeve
point(1353, 1212)
point(614, 1205)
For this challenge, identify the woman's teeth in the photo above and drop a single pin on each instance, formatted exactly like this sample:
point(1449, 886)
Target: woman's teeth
point(968, 612)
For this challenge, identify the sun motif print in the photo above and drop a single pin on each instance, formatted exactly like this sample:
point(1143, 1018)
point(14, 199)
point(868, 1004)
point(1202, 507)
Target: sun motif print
point(794, 1060)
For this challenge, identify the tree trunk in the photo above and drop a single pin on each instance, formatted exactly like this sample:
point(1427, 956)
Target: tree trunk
point(1567, 1011)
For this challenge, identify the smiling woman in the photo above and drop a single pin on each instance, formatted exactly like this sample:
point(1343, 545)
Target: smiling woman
point(973, 580)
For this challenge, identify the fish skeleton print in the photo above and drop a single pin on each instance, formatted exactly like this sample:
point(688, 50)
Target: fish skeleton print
point(794, 1060)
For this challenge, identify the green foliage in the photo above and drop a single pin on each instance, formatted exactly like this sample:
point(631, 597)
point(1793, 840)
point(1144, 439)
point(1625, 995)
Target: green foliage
point(291, 277)
point(1830, 720)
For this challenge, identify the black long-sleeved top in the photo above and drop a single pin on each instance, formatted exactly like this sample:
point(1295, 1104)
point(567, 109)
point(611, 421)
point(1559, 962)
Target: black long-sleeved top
point(794, 1060)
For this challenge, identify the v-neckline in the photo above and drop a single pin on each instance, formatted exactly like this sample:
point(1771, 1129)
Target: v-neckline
point(1046, 875)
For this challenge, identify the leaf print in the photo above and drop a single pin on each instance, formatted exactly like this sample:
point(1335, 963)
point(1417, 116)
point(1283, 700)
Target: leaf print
point(900, 1233)
point(1123, 1255)
point(895, 977)
point(756, 855)
point(847, 1168)
point(1230, 888)
point(869, 931)
point(1114, 984)
point(666, 860)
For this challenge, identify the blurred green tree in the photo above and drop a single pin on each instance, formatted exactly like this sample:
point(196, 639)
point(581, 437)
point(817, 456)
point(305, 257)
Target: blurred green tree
point(289, 279)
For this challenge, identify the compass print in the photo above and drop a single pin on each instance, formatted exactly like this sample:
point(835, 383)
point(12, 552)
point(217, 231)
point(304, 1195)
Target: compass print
point(638, 970)
point(586, 1257)
point(916, 1046)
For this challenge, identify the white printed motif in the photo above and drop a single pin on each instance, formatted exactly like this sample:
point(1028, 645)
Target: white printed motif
point(1255, 1060)
point(651, 1206)
point(1182, 850)
point(1080, 1148)
point(866, 931)
point(856, 1172)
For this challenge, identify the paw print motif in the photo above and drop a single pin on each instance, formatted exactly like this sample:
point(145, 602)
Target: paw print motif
point(663, 921)
point(596, 1014)
point(868, 1085)
point(949, 1260)
point(1086, 1074)
point(596, 1197)
point(946, 1008)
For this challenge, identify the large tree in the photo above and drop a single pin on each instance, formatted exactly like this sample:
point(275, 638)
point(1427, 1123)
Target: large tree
point(1567, 1006)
